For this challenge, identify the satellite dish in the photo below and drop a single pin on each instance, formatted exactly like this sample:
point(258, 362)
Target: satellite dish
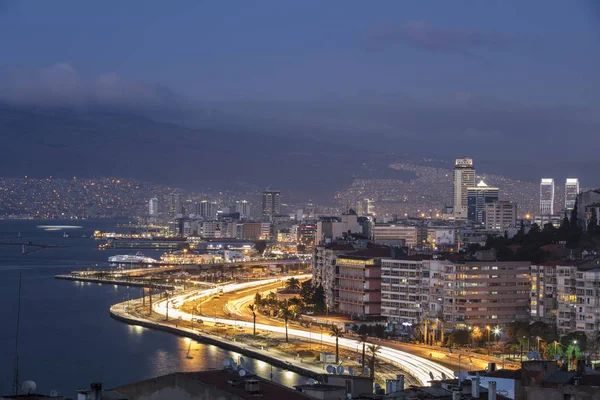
point(28, 387)
point(431, 375)
point(311, 381)
point(456, 374)
point(350, 370)
point(241, 360)
point(377, 386)
point(444, 377)
point(463, 375)
point(53, 393)
point(226, 363)
point(365, 371)
point(242, 372)
point(231, 362)
point(340, 369)
point(330, 369)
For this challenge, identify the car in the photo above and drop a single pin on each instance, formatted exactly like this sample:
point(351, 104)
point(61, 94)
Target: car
point(240, 328)
point(216, 297)
point(197, 320)
point(219, 324)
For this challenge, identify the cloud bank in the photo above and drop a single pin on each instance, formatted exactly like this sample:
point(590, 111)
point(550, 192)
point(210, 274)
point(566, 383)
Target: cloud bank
point(60, 85)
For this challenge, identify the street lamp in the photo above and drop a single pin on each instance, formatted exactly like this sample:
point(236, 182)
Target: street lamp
point(488, 329)
point(497, 332)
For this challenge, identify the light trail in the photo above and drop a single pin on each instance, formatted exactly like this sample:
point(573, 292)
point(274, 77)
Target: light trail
point(419, 367)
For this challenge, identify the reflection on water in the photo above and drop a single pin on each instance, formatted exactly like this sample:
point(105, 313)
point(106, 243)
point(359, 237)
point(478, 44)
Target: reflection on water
point(68, 339)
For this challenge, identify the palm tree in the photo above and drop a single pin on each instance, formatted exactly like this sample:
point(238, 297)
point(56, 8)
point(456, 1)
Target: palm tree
point(364, 340)
point(373, 349)
point(286, 312)
point(252, 307)
point(292, 283)
point(337, 333)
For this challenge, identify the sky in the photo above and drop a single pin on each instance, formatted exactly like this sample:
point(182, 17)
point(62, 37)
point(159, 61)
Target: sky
point(535, 52)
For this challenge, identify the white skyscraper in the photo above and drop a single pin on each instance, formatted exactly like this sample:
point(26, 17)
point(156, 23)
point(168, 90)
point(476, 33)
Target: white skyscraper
point(153, 206)
point(464, 178)
point(547, 196)
point(571, 192)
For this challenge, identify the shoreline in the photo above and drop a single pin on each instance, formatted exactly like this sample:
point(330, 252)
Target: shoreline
point(112, 282)
point(119, 313)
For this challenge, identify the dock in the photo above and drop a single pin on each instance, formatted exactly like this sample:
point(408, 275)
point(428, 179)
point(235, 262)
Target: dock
point(119, 282)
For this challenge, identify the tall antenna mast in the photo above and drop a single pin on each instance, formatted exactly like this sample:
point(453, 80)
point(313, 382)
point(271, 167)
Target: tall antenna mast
point(16, 366)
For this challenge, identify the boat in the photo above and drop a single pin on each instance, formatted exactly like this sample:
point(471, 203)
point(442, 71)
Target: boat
point(65, 235)
point(137, 258)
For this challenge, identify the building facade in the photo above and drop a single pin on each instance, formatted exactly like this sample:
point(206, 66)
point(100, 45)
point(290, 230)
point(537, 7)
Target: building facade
point(477, 198)
point(547, 196)
point(243, 208)
point(271, 204)
point(324, 268)
point(153, 206)
point(571, 192)
point(486, 293)
point(500, 215)
point(464, 178)
point(411, 290)
point(395, 234)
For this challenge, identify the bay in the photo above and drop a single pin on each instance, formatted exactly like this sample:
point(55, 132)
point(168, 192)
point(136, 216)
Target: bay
point(67, 338)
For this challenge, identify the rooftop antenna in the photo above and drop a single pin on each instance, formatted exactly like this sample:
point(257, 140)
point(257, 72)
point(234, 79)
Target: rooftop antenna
point(16, 366)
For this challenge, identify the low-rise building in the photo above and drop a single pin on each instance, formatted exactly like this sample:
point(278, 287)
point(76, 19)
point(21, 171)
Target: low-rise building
point(500, 215)
point(395, 234)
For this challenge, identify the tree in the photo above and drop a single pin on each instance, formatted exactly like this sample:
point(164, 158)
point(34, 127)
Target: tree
point(364, 340)
point(252, 308)
point(260, 246)
point(337, 333)
point(458, 337)
point(578, 338)
point(554, 349)
point(286, 312)
point(476, 334)
point(318, 298)
point(373, 349)
point(292, 283)
point(573, 353)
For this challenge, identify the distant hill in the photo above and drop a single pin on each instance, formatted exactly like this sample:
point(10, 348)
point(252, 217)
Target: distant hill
point(66, 143)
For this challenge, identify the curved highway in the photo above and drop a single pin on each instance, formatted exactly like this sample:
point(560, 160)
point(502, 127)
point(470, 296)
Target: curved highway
point(419, 367)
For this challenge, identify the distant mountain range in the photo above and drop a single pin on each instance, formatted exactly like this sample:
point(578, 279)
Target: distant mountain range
point(100, 143)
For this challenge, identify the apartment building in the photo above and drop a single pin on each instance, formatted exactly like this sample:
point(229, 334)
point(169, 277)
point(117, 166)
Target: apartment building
point(324, 268)
point(486, 293)
point(411, 289)
point(500, 215)
point(588, 299)
point(358, 282)
point(395, 234)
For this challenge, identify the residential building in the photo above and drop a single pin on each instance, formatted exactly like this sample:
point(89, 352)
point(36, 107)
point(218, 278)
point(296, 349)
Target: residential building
point(486, 292)
point(411, 289)
point(365, 207)
point(250, 231)
point(438, 236)
point(331, 228)
point(271, 204)
point(206, 209)
point(306, 235)
point(588, 299)
point(324, 267)
point(585, 199)
point(571, 192)
point(395, 234)
point(464, 178)
point(211, 230)
point(500, 215)
point(547, 196)
point(357, 289)
point(477, 198)
point(153, 206)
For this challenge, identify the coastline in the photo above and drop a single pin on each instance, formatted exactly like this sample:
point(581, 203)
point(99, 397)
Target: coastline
point(119, 313)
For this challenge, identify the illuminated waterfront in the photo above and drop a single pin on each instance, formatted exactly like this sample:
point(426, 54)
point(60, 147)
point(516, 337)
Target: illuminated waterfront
point(68, 339)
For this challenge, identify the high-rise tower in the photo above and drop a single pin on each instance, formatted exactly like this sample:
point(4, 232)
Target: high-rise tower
point(547, 196)
point(271, 204)
point(153, 206)
point(464, 178)
point(571, 192)
point(478, 197)
point(242, 207)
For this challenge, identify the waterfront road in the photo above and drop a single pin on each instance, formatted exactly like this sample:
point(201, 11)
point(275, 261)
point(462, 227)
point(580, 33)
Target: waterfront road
point(420, 367)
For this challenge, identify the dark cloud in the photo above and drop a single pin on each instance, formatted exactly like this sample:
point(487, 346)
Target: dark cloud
point(61, 85)
point(423, 36)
